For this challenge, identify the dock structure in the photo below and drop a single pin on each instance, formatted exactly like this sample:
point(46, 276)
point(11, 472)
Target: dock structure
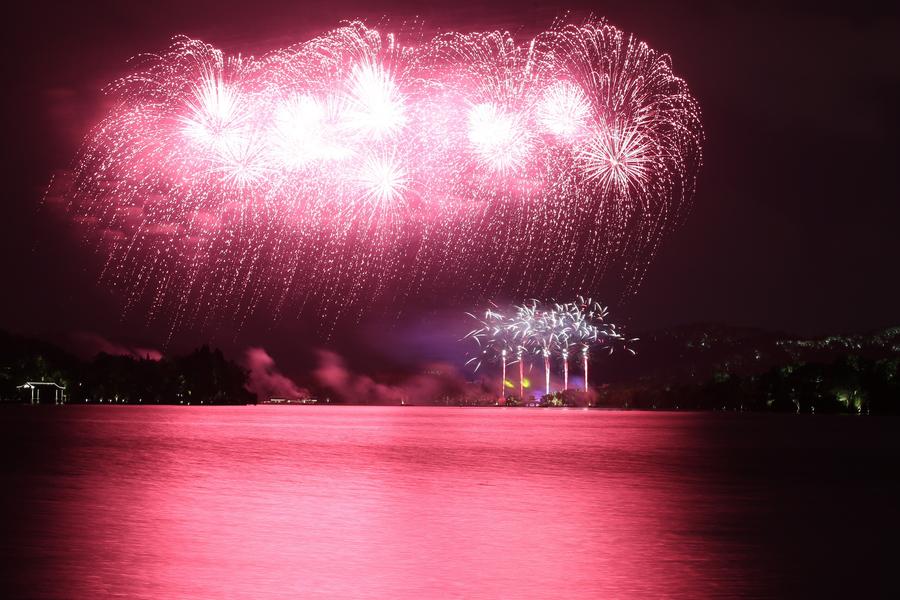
point(35, 387)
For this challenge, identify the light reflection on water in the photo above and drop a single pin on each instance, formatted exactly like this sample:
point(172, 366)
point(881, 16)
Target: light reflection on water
point(350, 502)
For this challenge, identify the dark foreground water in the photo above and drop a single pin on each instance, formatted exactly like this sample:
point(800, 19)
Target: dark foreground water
point(359, 502)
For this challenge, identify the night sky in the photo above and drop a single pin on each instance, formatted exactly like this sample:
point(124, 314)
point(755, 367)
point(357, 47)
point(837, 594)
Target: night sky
point(793, 226)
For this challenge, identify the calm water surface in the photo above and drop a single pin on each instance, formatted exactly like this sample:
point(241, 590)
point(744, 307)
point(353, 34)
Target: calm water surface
point(367, 502)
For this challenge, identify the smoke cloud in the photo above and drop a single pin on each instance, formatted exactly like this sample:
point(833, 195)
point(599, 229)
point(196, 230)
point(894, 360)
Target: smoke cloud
point(434, 381)
point(265, 381)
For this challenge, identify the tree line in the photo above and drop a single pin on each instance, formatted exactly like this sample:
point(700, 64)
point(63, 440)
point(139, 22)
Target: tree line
point(204, 376)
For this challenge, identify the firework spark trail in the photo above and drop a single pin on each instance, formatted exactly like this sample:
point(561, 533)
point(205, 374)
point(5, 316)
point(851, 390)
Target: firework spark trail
point(353, 164)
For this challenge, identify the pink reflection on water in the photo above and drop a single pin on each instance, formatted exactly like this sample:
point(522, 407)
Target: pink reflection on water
point(349, 502)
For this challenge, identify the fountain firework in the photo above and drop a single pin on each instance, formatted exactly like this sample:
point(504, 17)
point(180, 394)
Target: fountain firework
point(495, 338)
point(358, 162)
point(532, 327)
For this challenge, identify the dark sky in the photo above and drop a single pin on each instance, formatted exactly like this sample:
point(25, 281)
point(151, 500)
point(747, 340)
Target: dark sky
point(794, 225)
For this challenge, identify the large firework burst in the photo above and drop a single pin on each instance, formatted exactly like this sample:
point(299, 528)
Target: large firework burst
point(332, 171)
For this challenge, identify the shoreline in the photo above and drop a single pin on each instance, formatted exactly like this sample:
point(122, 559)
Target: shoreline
point(38, 406)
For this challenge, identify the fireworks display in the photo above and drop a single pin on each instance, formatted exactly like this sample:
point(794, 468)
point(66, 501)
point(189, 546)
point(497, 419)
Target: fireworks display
point(552, 331)
point(358, 165)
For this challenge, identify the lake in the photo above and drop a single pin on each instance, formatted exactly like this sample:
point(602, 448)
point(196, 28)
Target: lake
point(263, 502)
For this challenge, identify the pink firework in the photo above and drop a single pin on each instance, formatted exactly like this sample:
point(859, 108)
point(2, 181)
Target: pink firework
point(329, 172)
point(618, 159)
